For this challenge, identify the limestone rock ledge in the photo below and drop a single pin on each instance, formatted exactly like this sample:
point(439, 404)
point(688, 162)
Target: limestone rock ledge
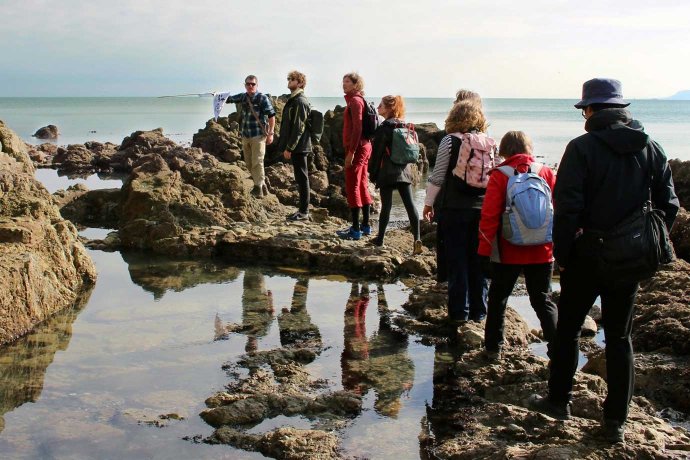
point(43, 266)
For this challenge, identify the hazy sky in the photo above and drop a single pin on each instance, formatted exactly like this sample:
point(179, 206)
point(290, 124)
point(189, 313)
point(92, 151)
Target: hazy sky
point(512, 48)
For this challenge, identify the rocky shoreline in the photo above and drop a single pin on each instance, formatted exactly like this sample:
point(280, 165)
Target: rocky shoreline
point(195, 202)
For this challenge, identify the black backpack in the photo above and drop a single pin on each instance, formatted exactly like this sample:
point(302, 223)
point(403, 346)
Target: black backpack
point(315, 125)
point(370, 120)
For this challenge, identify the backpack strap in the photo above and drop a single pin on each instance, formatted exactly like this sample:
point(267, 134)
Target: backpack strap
point(507, 170)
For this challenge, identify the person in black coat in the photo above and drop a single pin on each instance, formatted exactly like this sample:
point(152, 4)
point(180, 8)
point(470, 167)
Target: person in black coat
point(389, 176)
point(604, 176)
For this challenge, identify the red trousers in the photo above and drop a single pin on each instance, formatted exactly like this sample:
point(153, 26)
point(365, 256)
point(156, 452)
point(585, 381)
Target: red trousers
point(357, 179)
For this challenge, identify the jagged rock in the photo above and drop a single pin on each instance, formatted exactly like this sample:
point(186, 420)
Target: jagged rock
point(681, 180)
point(662, 314)
point(47, 132)
point(680, 235)
point(12, 145)
point(43, 266)
point(429, 136)
point(589, 327)
point(90, 208)
point(282, 443)
point(221, 139)
point(480, 413)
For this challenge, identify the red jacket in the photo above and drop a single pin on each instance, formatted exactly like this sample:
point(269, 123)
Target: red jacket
point(352, 121)
point(493, 207)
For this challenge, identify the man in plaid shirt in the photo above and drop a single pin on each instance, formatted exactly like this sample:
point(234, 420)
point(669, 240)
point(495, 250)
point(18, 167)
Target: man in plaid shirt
point(257, 124)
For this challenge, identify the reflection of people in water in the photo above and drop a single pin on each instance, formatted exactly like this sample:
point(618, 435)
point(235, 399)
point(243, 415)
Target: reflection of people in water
point(296, 328)
point(257, 307)
point(380, 363)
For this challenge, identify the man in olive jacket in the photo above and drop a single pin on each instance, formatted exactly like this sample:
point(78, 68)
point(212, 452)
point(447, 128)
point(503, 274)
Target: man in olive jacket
point(603, 177)
point(295, 139)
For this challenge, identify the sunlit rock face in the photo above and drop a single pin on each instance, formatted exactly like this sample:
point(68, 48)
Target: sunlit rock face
point(43, 266)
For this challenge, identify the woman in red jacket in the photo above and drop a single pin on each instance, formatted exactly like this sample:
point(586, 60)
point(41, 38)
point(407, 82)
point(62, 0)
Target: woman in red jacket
point(504, 260)
point(357, 154)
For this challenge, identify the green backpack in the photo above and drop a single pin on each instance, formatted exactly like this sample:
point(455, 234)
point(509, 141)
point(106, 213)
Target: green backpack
point(405, 145)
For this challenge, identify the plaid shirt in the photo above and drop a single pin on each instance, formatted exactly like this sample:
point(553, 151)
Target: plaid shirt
point(263, 108)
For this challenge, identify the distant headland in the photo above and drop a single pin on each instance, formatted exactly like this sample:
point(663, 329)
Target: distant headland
point(680, 96)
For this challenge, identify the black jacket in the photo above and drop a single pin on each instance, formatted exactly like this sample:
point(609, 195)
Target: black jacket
point(603, 178)
point(382, 171)
point(294, 135)
point(454, 193)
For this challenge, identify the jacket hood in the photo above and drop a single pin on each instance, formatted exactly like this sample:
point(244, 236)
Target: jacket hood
point(617, 129)
point(519, 159)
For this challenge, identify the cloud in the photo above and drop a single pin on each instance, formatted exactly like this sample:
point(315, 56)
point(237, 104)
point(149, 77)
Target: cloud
point(504, 48)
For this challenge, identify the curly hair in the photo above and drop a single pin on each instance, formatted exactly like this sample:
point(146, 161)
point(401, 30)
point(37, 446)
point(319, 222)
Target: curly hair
point(395, 104)
point(357, 80)
point(466, 116)
point(299, 76)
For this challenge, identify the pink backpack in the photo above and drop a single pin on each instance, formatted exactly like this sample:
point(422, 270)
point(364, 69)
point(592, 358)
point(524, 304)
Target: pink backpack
point(476, 158)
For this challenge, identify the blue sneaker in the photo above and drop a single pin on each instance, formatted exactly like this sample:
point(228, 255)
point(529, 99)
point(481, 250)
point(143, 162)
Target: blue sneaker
point(349, 234)
point(366, 230)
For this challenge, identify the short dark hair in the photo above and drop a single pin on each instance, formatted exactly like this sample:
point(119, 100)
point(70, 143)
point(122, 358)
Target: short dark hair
point(251, 77)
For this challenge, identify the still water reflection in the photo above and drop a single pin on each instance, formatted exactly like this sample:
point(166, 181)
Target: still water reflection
point(92, 382)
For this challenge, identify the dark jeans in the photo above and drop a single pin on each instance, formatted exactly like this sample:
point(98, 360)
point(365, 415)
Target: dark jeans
point(467, 287)
point(538, 281)
point(299, 162)
point(405, 191)
point(580, 286)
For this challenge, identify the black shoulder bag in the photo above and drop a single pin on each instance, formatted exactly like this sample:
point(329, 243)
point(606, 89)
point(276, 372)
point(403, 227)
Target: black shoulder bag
point(635, 247)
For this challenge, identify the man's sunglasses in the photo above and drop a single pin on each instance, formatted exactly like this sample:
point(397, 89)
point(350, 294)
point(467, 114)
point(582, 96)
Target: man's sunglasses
point(249, 84)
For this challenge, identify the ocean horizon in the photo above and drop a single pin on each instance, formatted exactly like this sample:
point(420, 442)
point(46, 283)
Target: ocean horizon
point(551, 123)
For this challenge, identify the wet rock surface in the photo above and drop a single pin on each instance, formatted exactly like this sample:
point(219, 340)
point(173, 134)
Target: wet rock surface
point(43, 265)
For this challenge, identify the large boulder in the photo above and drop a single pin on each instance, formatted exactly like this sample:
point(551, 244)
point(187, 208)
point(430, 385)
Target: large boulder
point(43, 266)
point(47, 132)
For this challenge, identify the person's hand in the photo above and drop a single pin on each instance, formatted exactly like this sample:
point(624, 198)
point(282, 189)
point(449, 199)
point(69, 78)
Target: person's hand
point(349, 159)
point(428, 212)
point(487, 269)
point(287, 155)
point(269, 139)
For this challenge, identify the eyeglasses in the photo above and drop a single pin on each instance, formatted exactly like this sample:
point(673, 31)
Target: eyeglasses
point(584, 115)
point(246, 83)
point(291, 79)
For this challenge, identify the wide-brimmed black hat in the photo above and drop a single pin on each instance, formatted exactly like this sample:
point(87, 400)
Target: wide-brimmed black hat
point(602, 91)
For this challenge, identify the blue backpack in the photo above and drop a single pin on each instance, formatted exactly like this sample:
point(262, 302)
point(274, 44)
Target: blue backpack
point(528, 216)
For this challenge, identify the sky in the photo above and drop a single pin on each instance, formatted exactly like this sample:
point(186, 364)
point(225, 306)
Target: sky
point(526, 48)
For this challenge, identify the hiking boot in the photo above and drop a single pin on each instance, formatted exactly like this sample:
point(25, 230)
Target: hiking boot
point(376, 242)
point(349, 234)
point(547, 407)
point(366, 230)
point(492, 356)
point(257, 192)
point(264, 189)
point(297, 216)
point(417, 248)
point(613, 431)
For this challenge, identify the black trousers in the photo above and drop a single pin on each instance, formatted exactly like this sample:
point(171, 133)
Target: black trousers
point(538, 281)
point(299, 162)
point(405, 191)
point(580, 287)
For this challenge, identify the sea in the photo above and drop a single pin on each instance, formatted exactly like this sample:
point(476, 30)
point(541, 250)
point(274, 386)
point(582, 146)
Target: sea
point(551, 123)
